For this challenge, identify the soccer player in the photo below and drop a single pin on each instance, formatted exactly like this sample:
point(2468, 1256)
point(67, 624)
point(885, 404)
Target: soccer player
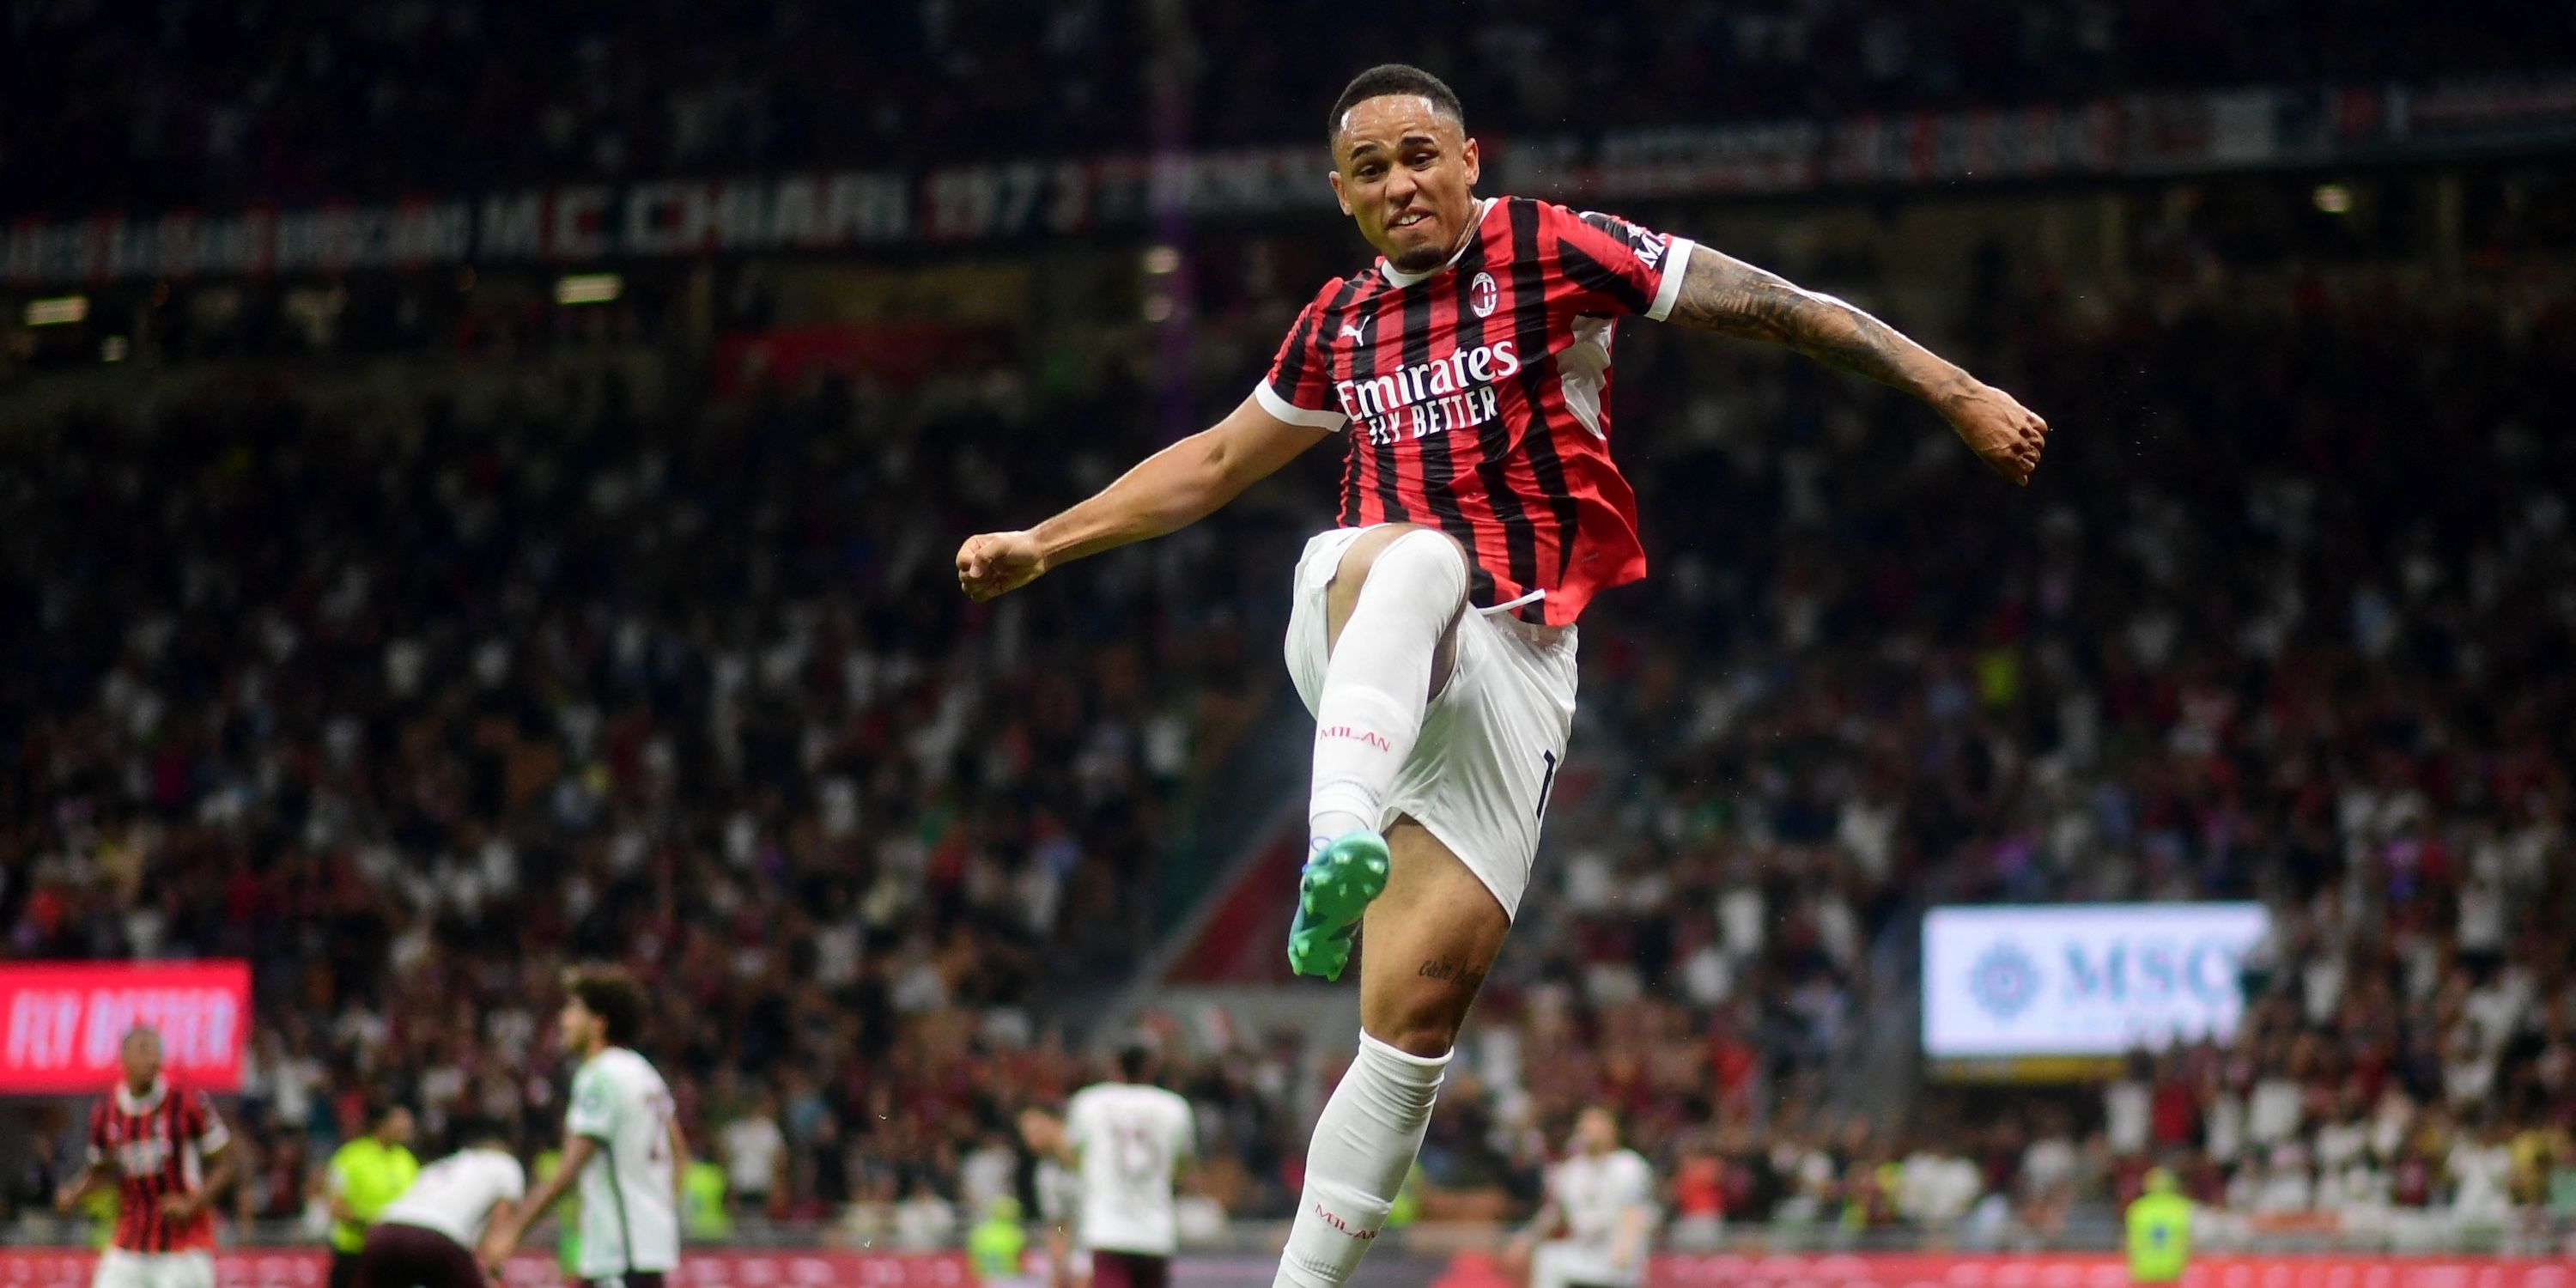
point(427, 1237)
point(1605, 1196)
point(621, 1140)
point(1057, 1183)
point(1432, 633)
point(166, 1150)
point(362, 1177)
point(1130, 1141)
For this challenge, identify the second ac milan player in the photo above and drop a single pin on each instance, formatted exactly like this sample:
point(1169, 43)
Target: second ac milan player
point(163, 1147)
point(1432, 633)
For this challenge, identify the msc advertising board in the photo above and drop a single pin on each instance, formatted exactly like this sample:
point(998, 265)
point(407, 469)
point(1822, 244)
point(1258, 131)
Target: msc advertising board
point(2083, 979)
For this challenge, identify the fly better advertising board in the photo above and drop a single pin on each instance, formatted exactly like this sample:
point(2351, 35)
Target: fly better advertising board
point(64, 1022)
point(2093, 979)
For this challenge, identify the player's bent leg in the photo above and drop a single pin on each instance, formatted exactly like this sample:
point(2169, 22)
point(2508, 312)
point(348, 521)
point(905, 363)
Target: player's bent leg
point(1391, 613)
point(1431, 938)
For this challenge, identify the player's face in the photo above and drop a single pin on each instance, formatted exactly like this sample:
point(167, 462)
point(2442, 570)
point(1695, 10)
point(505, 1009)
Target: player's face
point(398, 1127)
point(577, 1024)
point(1407, 174)
point(140, 1057)
point(1595, 1133)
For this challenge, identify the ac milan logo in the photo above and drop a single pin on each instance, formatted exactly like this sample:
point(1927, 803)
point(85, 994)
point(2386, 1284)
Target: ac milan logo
point(1483, 295)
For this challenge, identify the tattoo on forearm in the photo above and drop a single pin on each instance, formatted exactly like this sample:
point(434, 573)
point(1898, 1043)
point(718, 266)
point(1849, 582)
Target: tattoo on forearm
point(1731, 297)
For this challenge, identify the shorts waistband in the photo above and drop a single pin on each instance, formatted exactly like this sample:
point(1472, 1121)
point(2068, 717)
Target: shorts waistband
point(1535, 634)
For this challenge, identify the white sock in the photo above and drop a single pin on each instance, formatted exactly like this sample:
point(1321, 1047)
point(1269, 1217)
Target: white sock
point(1379, 681)
point(1364, 1143)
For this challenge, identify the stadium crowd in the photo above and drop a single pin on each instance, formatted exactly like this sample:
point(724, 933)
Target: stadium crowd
point(410, 718)
point(191, 106)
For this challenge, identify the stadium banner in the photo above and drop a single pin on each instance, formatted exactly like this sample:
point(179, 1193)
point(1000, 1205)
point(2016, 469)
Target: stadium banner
point(66, 1020)
point(709, 1268)
point(2082, 979)
point(2096, 1270)
point(860, 210)
point(747, 1268)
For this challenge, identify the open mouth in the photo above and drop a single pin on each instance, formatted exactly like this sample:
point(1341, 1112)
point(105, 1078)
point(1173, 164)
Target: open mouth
point(1409, 220)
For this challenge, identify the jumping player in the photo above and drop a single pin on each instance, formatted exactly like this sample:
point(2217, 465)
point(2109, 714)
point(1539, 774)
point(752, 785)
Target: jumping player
point(157, 1142)
point(1432, 633)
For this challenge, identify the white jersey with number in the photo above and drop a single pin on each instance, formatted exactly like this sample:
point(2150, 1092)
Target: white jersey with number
point(1595, 1192)
point(630, 1218)
point(454, 1195)
point(1131, 1138)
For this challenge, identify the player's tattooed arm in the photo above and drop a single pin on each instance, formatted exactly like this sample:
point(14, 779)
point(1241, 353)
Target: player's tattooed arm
point(1728, 296)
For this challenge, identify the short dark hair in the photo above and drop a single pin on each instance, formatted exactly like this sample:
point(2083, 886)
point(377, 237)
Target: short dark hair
point(1135, 1061)
point(613, 996)
point(1394, 78)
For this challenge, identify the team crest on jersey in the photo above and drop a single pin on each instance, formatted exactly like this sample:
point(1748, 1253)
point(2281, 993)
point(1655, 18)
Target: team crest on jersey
point(1483, 295)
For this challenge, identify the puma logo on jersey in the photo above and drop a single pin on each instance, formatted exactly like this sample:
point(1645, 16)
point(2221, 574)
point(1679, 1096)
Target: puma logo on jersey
point(1356, 330)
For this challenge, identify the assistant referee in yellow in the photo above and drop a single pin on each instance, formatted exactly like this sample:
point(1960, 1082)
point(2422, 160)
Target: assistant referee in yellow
point(2159, 1222)
point(364, 1176)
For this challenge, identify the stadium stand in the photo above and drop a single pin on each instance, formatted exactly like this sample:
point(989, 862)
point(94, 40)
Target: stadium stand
point(188, 106)
point(683, 684)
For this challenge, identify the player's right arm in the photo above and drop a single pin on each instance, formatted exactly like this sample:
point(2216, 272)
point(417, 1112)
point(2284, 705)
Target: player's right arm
point(98, 1174)
point(1169, 490)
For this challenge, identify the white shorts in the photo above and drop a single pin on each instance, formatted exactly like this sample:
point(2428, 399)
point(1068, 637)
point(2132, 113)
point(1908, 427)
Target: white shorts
point(1491, 742)
point(1564, 1263)
point(118, 1268)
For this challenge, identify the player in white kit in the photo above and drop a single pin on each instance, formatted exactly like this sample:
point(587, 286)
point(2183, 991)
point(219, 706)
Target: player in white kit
point(426, 1238)
point(622, 1142)
point(1130, 1141)
point(1605, 1196)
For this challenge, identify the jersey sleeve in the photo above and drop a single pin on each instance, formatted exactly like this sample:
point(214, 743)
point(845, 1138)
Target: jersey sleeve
point(1077, 1121)
point(513, 1178)
point(594, 1105)
point(98, 1152)
point(1299, 388)
point(205, 1126)
point(1612, 267)
point(1636, 1183)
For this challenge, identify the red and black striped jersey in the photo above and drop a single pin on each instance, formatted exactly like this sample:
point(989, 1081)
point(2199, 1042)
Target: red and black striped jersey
point(1477, 397)
point(158, 1143)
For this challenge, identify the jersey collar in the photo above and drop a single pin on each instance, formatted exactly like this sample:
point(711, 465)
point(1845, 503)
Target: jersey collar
point(128, 1103)
point(1399, 278)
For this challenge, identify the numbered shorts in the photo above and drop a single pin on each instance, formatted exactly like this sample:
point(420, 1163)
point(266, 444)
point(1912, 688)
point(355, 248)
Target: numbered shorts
point(118, 1268)
point(1491, 741)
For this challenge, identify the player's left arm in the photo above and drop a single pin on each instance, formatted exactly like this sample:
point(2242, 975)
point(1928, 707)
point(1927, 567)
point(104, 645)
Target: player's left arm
point(1731, 297)
point(1628, 1242)
point(215, 1143)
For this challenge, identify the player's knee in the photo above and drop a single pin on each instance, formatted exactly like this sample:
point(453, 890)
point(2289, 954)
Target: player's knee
point(1426, 560)
point(1422, 560)
point(1426, 1037)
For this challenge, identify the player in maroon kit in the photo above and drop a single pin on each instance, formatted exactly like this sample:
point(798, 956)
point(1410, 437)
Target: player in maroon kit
point(155, 1141)
point(1433, 632)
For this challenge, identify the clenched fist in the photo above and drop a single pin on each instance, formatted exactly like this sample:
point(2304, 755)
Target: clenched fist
point(993, 563)
point(2007, 436)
